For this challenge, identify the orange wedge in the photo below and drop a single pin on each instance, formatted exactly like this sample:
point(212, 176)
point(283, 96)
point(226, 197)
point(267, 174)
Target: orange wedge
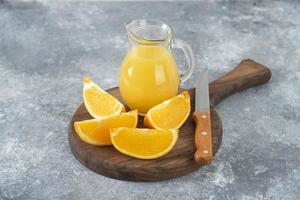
point(97, 131)
point(170, 114)
point(144, 143)
point(99, 103)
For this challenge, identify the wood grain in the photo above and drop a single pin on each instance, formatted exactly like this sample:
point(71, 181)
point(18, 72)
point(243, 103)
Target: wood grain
point(246, 74)
point(109, 162)
point(203, 139)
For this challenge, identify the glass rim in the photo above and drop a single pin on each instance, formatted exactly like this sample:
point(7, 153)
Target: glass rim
point(153, 22)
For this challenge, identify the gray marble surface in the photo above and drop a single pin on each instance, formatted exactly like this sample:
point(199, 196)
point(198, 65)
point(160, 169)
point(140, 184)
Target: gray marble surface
point(47, 47)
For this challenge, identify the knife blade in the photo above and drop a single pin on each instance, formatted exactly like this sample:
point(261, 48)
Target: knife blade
point(201, 116)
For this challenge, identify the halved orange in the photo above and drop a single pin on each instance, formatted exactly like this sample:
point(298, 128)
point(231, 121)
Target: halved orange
point(170, 114)
point(99, 103)
point(97, 131)
point(144, 143)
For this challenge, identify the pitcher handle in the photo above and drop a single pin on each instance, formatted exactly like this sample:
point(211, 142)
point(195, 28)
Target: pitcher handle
point(189, 55)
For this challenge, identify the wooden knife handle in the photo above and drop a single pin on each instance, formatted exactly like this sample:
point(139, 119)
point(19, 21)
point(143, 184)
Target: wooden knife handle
point(203, 138)
point(247, 74)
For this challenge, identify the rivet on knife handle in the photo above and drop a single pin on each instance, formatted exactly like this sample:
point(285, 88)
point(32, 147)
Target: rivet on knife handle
point(203, 138)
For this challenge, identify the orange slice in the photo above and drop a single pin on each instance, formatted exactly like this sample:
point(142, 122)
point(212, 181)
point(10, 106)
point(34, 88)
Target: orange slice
point(170, 114)
point(144, 143)
point(97, 131)
point(99, 103)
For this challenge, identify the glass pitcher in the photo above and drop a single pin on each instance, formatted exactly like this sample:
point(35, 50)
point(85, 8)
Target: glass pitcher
point(149, 74)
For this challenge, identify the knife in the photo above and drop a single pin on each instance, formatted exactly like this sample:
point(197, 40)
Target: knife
point(201, 116)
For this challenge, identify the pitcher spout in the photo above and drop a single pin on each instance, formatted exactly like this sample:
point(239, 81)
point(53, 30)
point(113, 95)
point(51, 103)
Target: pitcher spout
point(148, 32)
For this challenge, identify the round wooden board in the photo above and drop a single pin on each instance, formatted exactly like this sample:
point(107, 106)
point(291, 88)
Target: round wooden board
point(109, 162)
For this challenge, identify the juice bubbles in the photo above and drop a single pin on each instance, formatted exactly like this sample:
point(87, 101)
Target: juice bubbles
point(147, 77)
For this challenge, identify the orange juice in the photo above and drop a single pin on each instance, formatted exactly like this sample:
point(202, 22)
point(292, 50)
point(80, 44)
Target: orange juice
point(148, 76)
